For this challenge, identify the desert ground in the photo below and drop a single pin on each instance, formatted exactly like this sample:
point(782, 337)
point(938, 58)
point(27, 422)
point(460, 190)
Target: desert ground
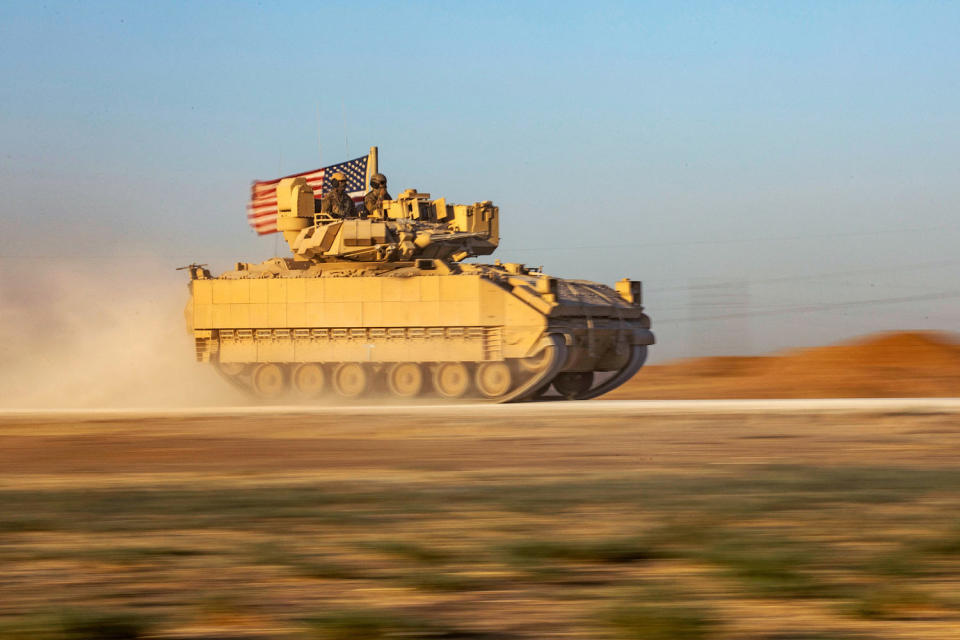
point(887, 365)
point(601, 519)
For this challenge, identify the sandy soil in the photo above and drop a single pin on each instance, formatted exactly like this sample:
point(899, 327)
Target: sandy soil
point(891, 365)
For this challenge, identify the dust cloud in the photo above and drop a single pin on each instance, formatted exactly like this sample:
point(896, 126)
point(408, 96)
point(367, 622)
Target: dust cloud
point(103, 333)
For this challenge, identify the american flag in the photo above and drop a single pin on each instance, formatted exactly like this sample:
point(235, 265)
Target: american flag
point(262, 209)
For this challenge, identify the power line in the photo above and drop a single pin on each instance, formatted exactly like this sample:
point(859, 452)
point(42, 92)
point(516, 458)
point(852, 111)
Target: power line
point(682, 243)
point(817, 307)
point(855, 272)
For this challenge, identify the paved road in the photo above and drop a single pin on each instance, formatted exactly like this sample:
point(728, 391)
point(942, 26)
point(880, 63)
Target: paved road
point(609, 408)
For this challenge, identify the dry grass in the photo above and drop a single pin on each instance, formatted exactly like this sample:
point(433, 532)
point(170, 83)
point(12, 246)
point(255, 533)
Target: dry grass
point(682, 549)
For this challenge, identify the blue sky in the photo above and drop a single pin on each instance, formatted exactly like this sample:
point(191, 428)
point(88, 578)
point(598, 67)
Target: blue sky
point(748, 147)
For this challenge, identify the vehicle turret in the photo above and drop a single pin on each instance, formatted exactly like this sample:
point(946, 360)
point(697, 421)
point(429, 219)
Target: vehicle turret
point(410, 227)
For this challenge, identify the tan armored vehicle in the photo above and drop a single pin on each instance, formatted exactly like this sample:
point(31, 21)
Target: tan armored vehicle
point(385, 304)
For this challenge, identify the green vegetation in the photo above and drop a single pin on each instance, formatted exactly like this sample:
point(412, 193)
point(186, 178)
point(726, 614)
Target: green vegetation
point(660, 622)
point(767, 567)
point(845, 541)
point(892, 602)
point(410, 550)
point(360, 625)
point(614, 551)
point(76, 624)
point(438, 581)
point(366, 624)
point(947, 545)
point(305, 565)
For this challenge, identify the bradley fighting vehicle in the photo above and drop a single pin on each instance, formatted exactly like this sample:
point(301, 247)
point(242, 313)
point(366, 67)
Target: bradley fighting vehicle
point(387, 303)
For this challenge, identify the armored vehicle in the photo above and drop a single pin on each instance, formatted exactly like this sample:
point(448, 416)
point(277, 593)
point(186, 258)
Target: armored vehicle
point(386, 303)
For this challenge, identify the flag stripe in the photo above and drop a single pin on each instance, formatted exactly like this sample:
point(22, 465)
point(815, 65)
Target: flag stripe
point(262, 208)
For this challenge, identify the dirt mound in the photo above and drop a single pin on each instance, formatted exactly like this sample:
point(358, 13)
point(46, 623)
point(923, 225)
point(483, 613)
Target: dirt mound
point(901, 364)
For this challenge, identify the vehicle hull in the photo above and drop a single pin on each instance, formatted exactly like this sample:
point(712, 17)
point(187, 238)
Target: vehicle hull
point(243, 320)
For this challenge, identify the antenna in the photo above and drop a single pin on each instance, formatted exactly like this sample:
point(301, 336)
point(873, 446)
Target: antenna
point(346, 144)
point(319, 135)
point(276, 247)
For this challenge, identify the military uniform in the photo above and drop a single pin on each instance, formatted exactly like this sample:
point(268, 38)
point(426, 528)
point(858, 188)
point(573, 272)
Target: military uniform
point(338, 204)
point(374, 199)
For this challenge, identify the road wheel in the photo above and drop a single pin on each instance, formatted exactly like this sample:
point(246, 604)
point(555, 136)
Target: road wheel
point(536, 363)
point(231, 369)
point(269, 381)
point(451, 379)
point(351, 380)
point(309, 380)
point(571, 384)
point(405, 379)
point(493, 379)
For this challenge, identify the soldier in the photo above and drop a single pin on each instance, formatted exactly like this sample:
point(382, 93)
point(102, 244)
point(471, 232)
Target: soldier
point(373, 201)
point(337, 202)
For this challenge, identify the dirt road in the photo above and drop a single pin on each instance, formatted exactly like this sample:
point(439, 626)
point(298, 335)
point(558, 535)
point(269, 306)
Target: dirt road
point(568, 437)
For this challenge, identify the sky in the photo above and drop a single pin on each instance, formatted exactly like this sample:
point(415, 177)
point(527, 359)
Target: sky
point(777, 174)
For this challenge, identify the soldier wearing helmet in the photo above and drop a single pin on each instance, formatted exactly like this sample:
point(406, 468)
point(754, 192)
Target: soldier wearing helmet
point(337, 202)
point(373, 201)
